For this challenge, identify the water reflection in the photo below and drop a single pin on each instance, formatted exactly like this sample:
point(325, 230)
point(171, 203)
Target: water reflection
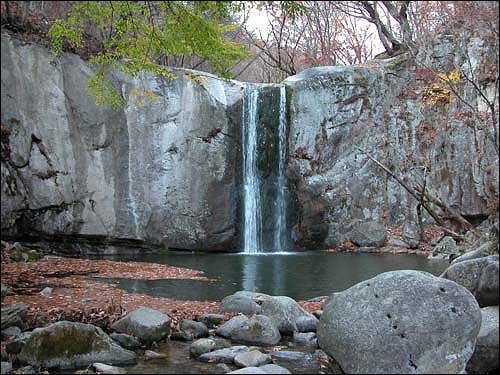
point(300, 276)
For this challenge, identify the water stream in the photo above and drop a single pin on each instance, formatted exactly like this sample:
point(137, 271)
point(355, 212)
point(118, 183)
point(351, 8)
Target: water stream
point(251, 183)
point(256, 234)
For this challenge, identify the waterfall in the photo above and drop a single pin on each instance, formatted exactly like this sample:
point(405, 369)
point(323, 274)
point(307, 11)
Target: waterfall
point(264, 228)
point(280, 217)
point(251, 183)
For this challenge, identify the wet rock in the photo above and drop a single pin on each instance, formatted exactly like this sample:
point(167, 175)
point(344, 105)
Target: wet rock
point(47, 291)
point(479, 276)
point(221, 368)
point(289, 356)
point(318, 313)
point(253, 358)
point(201, 346)
point(180, 336)
point(27, 370)
point(306, 338)
point(226, 329)
point(416, 317)
point(194, 329)
point(474, 254)
point(212, 320)
point(223, 355)
point(307, 323)
point(107, 369)
point(68, 345)
point(485, 358)
point(368, 234)
point(150, 354)
point(146, 324)
point(126, 341)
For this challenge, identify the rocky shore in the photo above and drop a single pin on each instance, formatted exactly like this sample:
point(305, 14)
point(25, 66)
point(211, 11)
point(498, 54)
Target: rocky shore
point(396, 322)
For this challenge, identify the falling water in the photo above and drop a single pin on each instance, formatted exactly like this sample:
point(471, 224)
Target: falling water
point(280, 218)
point(251, 184)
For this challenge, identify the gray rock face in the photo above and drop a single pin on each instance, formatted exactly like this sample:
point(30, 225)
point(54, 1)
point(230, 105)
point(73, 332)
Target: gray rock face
point(479, 276)
point(369, 234)
point(146, 324)
point(69, 345)
point(485, 357)
point(401, 322)
point(335, 110)
point(165, 172)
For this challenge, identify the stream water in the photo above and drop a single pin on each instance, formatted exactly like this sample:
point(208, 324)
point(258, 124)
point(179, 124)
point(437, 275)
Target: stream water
point(300, 275)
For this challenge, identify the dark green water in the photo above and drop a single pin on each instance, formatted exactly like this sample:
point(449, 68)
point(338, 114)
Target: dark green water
point(298, 275)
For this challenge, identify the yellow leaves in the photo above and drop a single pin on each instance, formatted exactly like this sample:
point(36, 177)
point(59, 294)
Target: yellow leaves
point(140, 95)
point(440, 91)
point(195, 78)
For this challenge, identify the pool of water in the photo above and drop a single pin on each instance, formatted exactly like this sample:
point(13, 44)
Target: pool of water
point(301, 275)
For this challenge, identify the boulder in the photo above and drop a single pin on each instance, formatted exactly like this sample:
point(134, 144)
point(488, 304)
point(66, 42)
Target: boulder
point(479, 276)
point(306, 338)
point(286, 313)
point(69, 345)
point(201, 346)
point(368, 234)
point(212, 320)
point(146, 324)
point(16, 345)
point(6, 367)
point(194, 329)
point(485, 357)
point(227, 329)
point(401, 322)
point(126, 341)
point(103, 368)
point(257, 330)
point(445, 249)
point(239, 303)
point(411, 235)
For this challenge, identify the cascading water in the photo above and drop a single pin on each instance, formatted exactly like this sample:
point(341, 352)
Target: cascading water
point(251, 183)
point(269, 231)
point(280, 229)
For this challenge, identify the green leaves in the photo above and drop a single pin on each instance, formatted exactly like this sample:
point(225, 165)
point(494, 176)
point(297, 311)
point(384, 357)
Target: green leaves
point(137, 34)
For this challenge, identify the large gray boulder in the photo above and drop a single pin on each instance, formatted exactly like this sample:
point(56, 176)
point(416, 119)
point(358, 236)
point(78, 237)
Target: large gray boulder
point(485, 357)
point(401, 322)
point(70, 345)
point(146, 324)
point(479, 276)
point(368, 234)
